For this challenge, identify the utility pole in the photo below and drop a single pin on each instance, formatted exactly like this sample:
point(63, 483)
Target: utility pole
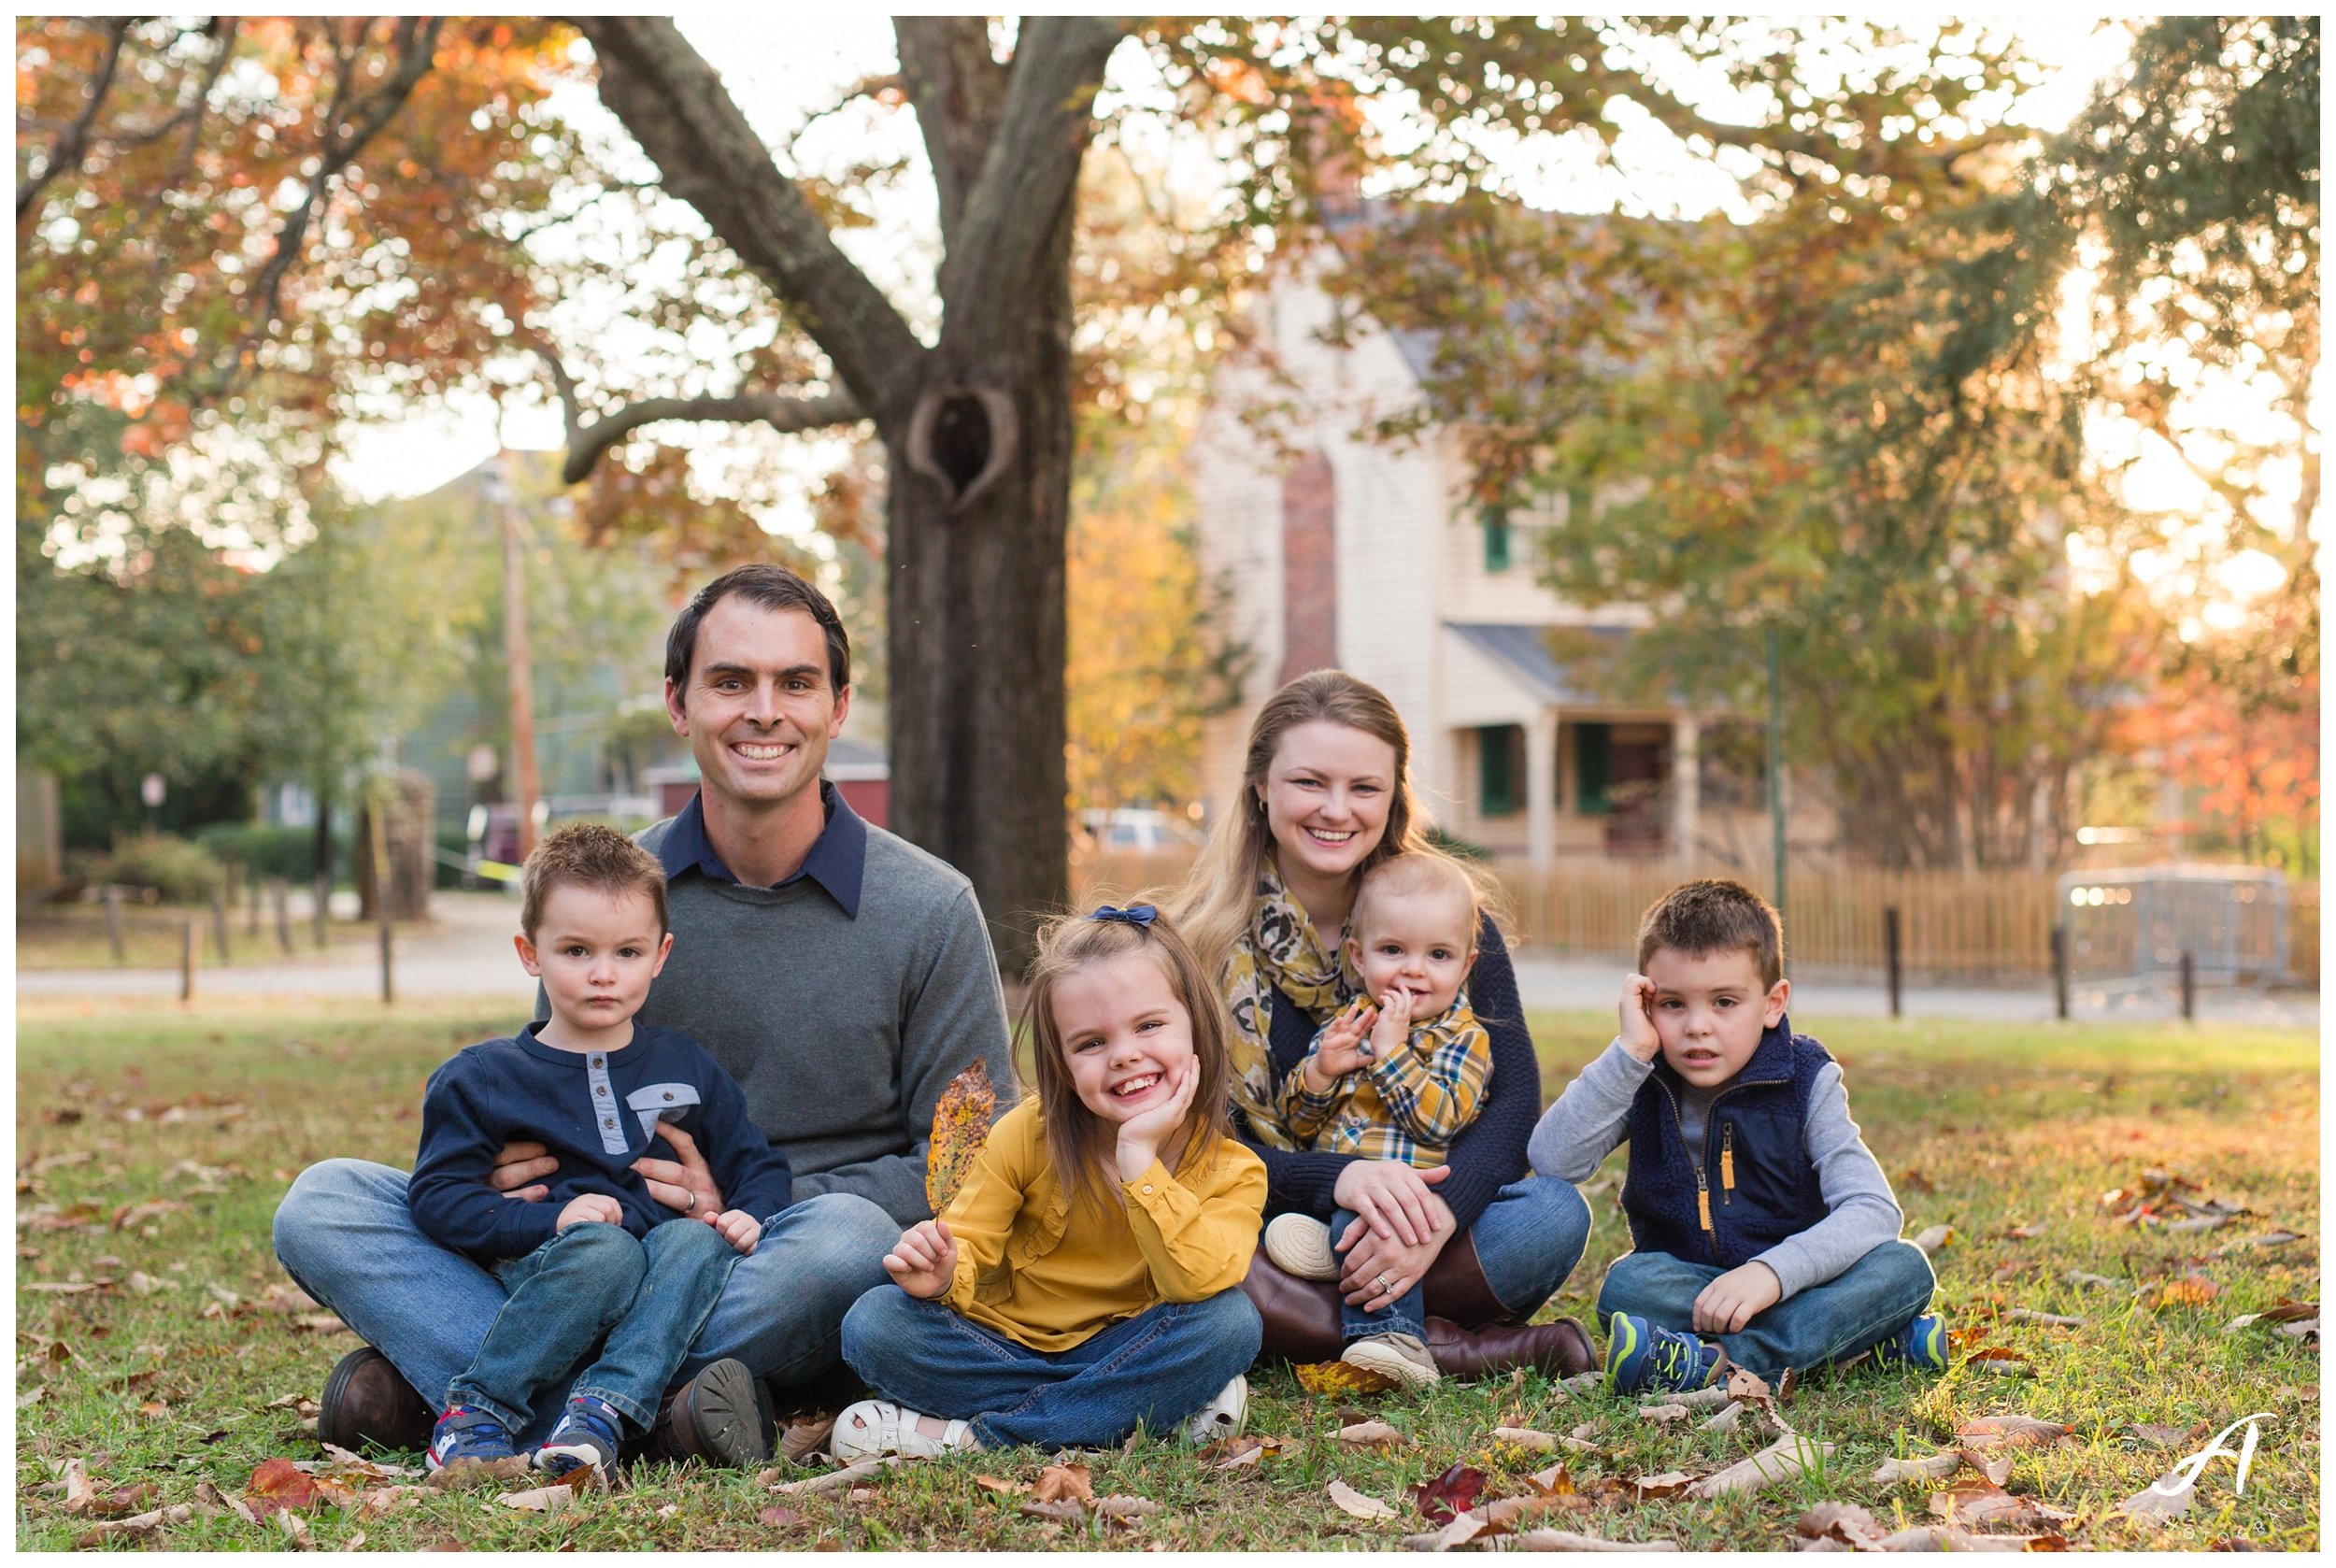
point(1777, 762)
point(523, 780)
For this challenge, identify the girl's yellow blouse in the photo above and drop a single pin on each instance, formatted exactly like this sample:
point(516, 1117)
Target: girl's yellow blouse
point(1051, 1277)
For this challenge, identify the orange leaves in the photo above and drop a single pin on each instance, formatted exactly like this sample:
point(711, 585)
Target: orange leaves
point(961, 1123)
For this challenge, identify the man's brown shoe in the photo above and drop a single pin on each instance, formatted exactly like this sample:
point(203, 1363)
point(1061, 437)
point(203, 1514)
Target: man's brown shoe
point(1560, 1348)
point(720, 1417)
point(366, 1400)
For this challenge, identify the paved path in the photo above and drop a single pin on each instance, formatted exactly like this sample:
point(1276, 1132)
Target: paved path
point(1573, 981)
point(465, 950)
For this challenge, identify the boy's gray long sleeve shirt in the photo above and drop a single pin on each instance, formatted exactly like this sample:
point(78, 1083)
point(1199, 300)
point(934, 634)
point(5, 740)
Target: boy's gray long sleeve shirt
point(1575, 1137)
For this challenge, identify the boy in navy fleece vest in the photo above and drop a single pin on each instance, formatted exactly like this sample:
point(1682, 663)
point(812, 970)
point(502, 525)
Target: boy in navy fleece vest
point(1765, 1234)
point(599, 1272)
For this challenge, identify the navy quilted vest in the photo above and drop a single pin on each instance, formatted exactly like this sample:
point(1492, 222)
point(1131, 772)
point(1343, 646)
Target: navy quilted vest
point(1758, 1184)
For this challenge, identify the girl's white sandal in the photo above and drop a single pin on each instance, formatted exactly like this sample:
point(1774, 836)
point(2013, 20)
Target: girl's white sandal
point(1222, 1417)
point(874, 1427)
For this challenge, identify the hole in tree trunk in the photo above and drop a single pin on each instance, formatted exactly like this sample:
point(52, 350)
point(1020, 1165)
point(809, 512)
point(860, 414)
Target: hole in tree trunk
point(964, 437)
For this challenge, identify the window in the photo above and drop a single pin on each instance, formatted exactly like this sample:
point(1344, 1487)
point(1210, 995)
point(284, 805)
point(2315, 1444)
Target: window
point(1496, 521)
point(1593, 769)
point(1499, 769)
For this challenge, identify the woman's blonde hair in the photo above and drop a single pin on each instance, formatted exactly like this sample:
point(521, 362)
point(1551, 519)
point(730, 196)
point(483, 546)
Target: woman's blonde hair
point(1079, 1143)
point(1219, 900)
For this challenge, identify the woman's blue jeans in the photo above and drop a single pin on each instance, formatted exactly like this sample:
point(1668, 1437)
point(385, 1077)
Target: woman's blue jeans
point(1864, 1304)
point(1154, 1368)
point(1527, 1240)
point(647, 1296)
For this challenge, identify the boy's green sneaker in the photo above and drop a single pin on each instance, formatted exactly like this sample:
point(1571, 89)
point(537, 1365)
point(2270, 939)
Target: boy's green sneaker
point(1921, 1346)
point(1640, 1356)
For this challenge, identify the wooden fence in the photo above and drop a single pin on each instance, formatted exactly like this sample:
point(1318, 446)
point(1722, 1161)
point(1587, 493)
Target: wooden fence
point(1994, 925)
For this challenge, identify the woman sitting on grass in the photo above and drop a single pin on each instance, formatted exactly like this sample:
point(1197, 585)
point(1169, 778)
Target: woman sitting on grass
point(1085, 1280)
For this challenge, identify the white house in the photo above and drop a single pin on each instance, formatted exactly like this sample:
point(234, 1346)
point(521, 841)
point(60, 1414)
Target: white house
point(1342, 550)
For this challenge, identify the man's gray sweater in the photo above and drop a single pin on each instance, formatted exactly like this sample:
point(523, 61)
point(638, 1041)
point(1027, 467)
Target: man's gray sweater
point(1586, 1125)
point(842, 1029)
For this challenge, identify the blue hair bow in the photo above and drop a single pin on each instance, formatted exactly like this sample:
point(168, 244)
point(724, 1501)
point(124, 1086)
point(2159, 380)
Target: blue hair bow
point(1134, 914)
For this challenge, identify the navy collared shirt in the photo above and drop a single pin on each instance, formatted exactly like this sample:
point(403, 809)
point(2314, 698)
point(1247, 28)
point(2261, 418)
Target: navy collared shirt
point(837, 858)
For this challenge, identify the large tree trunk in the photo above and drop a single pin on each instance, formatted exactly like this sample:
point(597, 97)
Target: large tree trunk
point(975, 619)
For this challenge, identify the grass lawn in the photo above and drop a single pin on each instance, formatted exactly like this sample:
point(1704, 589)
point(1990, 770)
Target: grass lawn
point(166, 1375)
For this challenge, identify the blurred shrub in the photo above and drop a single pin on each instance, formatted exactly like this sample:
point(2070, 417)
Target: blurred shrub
point(180, 872)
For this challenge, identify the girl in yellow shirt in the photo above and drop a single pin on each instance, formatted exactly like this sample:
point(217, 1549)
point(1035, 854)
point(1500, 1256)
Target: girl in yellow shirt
point(1086, 1278)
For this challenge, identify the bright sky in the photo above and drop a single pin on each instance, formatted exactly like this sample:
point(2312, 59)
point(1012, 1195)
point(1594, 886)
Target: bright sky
point(785, 64)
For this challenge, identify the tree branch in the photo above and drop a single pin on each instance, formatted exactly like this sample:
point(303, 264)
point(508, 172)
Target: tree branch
point(676, 107)
point(1031, 164)
point(74, 140)
point(957, 89)
point(346, 134)
point(587, 441)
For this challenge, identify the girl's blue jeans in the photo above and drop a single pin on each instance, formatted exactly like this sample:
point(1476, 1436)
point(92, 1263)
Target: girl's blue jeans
point(1527, 1240)
point(1154, 1368)
point(1857, 1308)
point(648, 1296)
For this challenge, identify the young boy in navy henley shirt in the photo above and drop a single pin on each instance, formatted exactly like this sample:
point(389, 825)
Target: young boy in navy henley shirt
point(599, 1259)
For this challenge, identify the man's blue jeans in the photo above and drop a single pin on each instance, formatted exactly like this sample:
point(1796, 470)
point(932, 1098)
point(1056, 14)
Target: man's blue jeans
point(345, 1236)
point(1157, 1368)
point(1872, 1299)
point(647, 1296)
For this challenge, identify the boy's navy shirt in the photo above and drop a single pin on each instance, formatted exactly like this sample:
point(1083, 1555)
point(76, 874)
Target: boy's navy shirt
point(597, 1112)
point(1759, 1178)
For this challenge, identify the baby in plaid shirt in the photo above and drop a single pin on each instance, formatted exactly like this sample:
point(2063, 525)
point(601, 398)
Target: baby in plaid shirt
point(1399, 1074)
point(1394, 1077)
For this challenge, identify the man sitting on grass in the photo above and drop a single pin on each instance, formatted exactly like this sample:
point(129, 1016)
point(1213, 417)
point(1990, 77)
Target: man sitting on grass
point(1766, 1234)
point(841, 975)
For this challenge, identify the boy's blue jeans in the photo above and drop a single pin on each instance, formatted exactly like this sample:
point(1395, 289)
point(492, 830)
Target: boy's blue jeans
point(1872, 1299)
point(345, 1236)
point(1157, 1368)
point(648, 1296)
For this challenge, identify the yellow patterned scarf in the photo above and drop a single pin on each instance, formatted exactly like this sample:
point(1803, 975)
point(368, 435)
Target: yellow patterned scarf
point(1281, 951)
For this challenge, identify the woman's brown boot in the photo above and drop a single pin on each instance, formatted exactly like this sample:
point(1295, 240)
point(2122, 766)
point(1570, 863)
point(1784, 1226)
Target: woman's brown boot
point(1459, 1295)
point(1300, 1316)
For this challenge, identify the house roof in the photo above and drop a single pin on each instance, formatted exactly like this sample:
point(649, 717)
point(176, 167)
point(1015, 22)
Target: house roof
point(1523, 652)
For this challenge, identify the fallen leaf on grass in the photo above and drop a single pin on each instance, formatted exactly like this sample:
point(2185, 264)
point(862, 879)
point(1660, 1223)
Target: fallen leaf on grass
point(1556, 1481)
point(2003, 1363)
point(1349, 1501)
point(319, 1323)
point(469, 1475)
point(2156, 1436)
point(1337, 1379)
point(143, 1524)
point(1063, 1482)
point(1930, 1467)
point(2051, 1320)
point(2304, 1329)
point(1725, 1418)
point(1782, 1460)
point(2010, 1431)
point(2161, 1500)
point(346, 1463)
point(80, 1493)
point(996, 1484)
point(539, 1499)
point(138, 1214)
point(1844, 1522)
point(1715, 1394)
point(1653, 1489)
point(67, 1288)
point(2188, 1291)
point(1526, 1437)
point(838, 1480)
point(775, 1517)
point(1566, 1541)
point(1451, 1494)
point(277, 1484)
point(1582, 1381)
point(1662, 1414)
point(1121, 1508)
point(803, 1438)
point(29, 1398)
point(1370, 1434)
point(1505, 1514)
point(1934, 1238)
point(2096, 1281)
point(2022, 1233)
point(1980, 1500)
point(295, 1530)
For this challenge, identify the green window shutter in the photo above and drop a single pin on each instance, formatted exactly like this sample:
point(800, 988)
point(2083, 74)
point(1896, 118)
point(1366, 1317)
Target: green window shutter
point(1496, 539)
point(1497, 770)
point(1593, 768)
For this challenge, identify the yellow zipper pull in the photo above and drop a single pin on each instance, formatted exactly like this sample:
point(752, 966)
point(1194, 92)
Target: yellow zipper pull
point(1703, 1203)
point(1728, 1156)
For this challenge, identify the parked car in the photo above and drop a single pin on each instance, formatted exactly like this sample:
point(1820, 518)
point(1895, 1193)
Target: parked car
point(1136, 830)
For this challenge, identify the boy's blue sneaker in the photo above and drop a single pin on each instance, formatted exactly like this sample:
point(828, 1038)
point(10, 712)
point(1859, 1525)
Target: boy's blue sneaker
point(463, 1433)
point(1641, 1355)
point(588, 1433)
point(1921, 1346)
